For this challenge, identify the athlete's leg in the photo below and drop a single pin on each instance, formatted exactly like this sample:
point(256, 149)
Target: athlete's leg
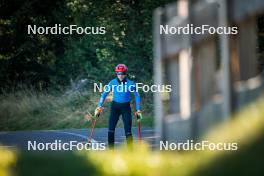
point(127, 120)
point(114, 116)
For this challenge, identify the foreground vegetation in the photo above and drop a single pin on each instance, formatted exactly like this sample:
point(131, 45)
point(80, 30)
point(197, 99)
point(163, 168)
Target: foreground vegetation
point(246, 128)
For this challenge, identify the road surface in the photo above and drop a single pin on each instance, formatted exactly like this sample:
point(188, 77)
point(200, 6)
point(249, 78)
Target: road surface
point(19, 139)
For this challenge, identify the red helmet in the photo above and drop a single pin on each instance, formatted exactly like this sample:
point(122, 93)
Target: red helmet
point(121, 68)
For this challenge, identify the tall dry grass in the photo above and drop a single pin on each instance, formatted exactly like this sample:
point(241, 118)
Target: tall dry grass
point(29, 109)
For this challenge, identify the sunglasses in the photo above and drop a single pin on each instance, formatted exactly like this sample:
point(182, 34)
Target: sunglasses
point(120, 73)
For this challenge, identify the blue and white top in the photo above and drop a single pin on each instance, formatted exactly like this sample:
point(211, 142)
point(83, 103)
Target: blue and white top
point(121, 92)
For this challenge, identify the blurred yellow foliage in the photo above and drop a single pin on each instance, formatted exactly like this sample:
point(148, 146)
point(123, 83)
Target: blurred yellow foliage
point(7, 158)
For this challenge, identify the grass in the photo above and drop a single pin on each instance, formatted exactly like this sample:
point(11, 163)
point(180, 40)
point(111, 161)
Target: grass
point(247, 129)
point(31, 110)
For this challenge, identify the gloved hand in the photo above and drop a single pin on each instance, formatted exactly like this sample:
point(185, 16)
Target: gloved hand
point(138, 114)
point(98, 111)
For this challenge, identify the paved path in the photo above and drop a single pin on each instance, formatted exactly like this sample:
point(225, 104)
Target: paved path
point(20, 138)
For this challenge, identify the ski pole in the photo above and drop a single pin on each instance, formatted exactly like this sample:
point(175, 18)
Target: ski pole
point(139, 130)
point(93, 126)
point(91, 134)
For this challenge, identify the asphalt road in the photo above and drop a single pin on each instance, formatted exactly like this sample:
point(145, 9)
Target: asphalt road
point(19, 139)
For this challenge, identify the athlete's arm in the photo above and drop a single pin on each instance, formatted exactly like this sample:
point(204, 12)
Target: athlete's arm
point(104, 94)
point(137, 97)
